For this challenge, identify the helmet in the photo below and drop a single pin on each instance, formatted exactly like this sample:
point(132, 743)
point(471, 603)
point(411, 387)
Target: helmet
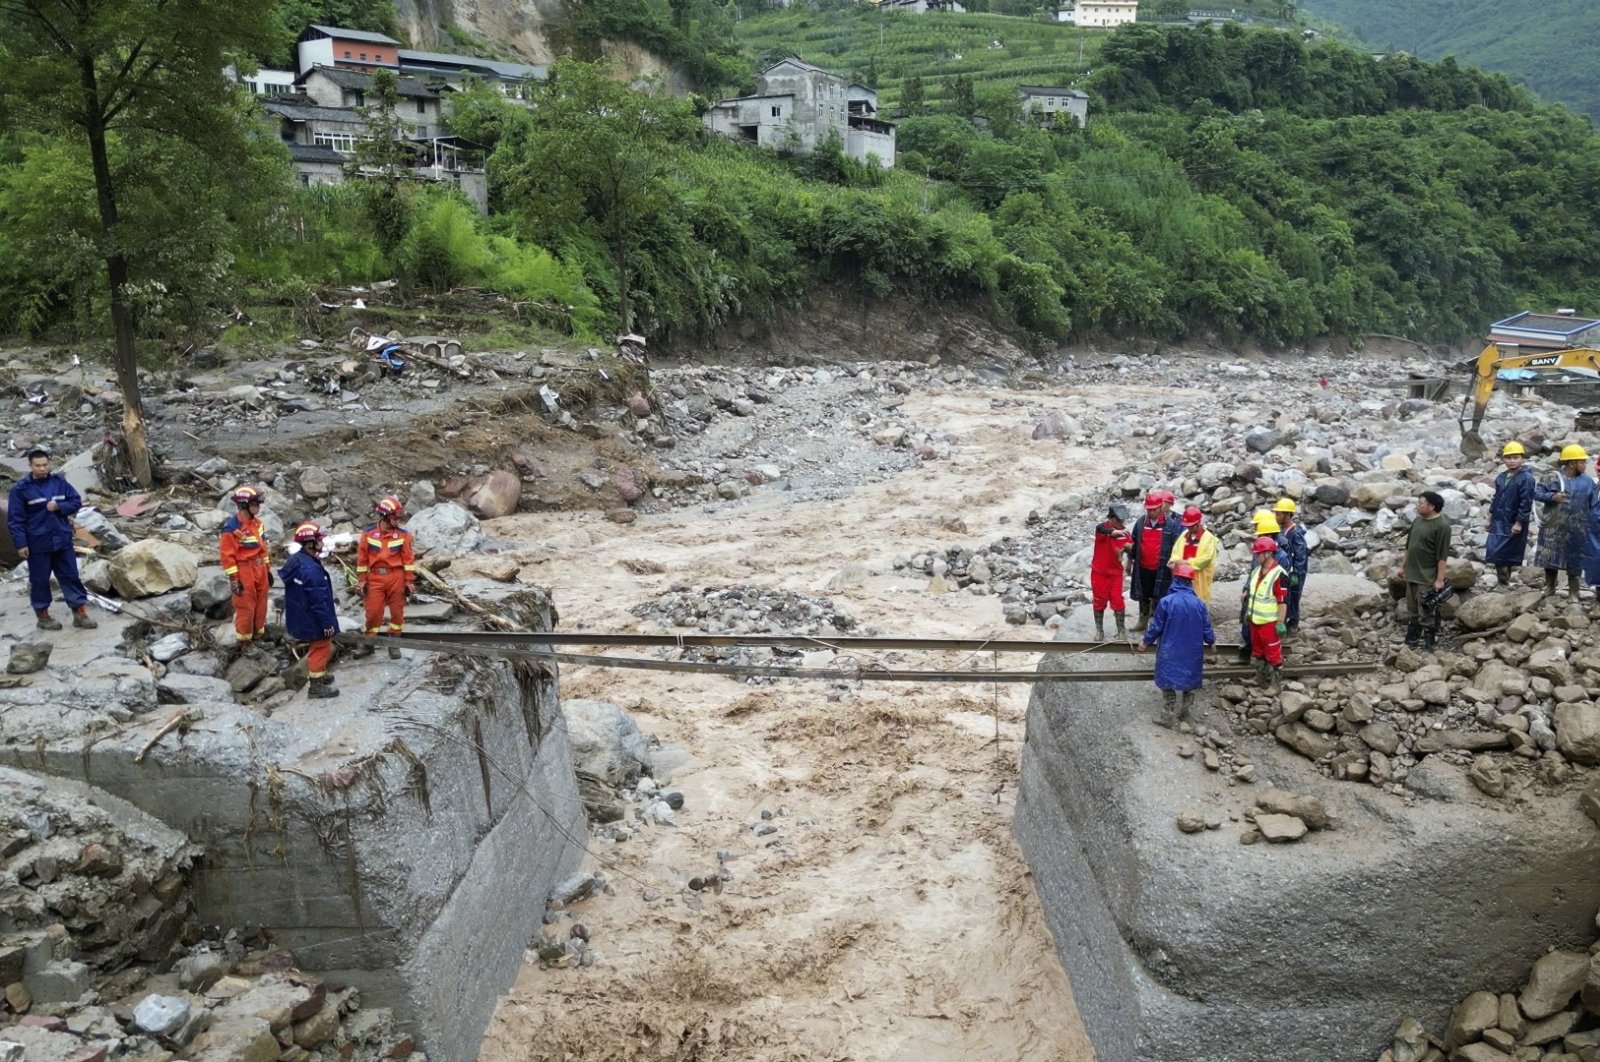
point(1286, 505)
point(1574, 452)
point(1166, 496)
point(1192, 516)
point(1266, 523)
point(1264, 545)
point(1512, 447)
point(1183, 570)
point(246, 495)
point(1152, 500)
point(310, 531)
point(1118, 511)
point(389, 506)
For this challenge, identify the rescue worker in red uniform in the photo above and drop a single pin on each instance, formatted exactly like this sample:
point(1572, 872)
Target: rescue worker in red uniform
point(1111, 541)
point(244, 562)
point(387, 570)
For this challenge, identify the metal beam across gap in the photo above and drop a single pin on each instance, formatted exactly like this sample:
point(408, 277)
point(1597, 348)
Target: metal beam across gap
point(710, 641)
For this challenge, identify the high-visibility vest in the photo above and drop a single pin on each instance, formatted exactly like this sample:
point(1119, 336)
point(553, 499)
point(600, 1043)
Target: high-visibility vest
point(1263, 595)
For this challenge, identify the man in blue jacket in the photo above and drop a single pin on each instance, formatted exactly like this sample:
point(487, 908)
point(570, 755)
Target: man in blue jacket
point(40, 520)
point(1182, 626)
point(1510, 514)
point(308, 610)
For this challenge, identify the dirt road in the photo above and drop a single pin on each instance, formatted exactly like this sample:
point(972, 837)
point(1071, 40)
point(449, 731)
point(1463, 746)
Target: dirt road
point(889, 915)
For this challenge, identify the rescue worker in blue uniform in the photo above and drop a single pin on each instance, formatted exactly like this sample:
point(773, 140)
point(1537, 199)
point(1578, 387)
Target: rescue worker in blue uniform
point(39, 518)
point(1510, 514)
point(1294, 554)
point(1180, 628)
point(309, 613)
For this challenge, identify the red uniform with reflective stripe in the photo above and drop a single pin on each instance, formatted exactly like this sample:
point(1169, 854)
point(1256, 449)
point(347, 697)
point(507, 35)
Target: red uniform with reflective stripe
point(244, 559)
point(386, 564)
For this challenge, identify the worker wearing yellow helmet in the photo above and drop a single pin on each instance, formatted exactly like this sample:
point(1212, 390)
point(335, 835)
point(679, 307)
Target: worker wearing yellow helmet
point(1266, 526)
point(1567, 522)
point(1510, 514)
point(1293, 545)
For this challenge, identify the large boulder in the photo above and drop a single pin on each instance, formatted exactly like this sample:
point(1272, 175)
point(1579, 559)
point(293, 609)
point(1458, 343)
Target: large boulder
point(152, 567)
point(212, 593)
point(445, 529)
point(1371, 496)
point(495, 494)
point(1554, 980)
point(606, 742)
point(1148, 921)
point(1481, 612)
point(1578, 732)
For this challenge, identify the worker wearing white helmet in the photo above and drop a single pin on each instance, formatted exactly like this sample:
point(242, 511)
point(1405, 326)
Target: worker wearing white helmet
point(1510, 514)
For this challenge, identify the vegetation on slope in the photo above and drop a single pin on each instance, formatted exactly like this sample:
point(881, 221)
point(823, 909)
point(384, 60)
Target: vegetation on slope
point(1552, 45)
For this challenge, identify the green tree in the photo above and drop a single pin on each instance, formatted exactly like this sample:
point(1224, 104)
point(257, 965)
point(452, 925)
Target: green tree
point(594, 149)
point(385, 158)
point(913, 98)
point(128, 78)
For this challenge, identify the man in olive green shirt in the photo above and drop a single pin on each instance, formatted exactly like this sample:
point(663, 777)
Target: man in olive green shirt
point(1427, 553)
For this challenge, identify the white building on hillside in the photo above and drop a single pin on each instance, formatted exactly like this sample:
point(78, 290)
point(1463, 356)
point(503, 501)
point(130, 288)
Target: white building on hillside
point(1100, 14)
point(798, 107)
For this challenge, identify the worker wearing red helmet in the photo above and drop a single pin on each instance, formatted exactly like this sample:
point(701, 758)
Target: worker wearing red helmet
point(1180, 628)
point(309, 614)
point(1265, 594)
point(1197, 547)
point(243, 546)
point(386, 566)
point(1149, 548)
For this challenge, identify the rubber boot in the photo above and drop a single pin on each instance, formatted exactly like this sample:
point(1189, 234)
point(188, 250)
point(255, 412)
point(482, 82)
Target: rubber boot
point(1122, 625)
point(1274, 678)
point(1185, 698)
point(48, 622)
point(1502, 574)
point(1100, 625)
point(1260, 665)
point(81, 619)
point(321, 688)
point(1573, 586)
point(1413, 634)
point(394, 652)
point(1549, 581)
point(1144, 616)
point(1169, 710)
point(1429, 639)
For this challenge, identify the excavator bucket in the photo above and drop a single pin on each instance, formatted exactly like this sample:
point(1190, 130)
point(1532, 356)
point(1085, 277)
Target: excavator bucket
point(1472, 444)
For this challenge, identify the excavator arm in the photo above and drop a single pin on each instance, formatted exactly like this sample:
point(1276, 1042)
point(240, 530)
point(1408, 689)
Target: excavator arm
point(1580, 361)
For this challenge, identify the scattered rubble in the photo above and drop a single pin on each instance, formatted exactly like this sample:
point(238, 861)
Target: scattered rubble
point(1554, 1018)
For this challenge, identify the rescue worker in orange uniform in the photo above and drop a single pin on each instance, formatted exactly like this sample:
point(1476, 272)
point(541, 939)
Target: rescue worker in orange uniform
point(244, 562)
point(387, 570)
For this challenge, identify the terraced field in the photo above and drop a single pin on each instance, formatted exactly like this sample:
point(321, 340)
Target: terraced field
point(999, 52)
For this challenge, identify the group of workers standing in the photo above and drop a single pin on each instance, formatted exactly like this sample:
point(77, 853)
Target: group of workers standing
point(386, 575)
point(1170, 563)
point(1569, 520)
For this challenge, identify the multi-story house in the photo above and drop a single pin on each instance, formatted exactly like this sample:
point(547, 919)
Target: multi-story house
point(799, 107)
point(1100, 14)
point(1046, 101)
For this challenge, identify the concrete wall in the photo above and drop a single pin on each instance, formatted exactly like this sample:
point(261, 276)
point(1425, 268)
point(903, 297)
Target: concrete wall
point(402, 838)
point(864, 142)
point(1195, 948)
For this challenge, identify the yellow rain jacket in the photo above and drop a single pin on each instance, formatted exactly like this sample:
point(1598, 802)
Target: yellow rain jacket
point(1204, 561)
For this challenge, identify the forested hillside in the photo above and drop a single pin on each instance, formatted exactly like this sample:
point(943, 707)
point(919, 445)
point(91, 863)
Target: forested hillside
point(1552, 45)
point(1230, 183)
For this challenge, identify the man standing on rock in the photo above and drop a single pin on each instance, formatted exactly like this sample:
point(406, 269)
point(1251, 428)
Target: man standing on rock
point(1427, 553)
point(1197, 547)
point(1153, 536)
point(1510, 514)
point(387, 570)
point(1569, 502)
point(40, 520)
point(1295, 555)
point(1266, 526)
point(1265, 594)
point(1181, 629)
point(1111, 541)
point(244, 562)
point(309, 614)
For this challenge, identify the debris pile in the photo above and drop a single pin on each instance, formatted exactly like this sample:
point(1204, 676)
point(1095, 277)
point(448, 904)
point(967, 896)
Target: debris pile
point(102, 954)
point(1555, 1017)
point(748, 610)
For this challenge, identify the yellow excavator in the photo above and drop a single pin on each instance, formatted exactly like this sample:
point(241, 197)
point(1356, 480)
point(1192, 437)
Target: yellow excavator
point(1496, 359)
